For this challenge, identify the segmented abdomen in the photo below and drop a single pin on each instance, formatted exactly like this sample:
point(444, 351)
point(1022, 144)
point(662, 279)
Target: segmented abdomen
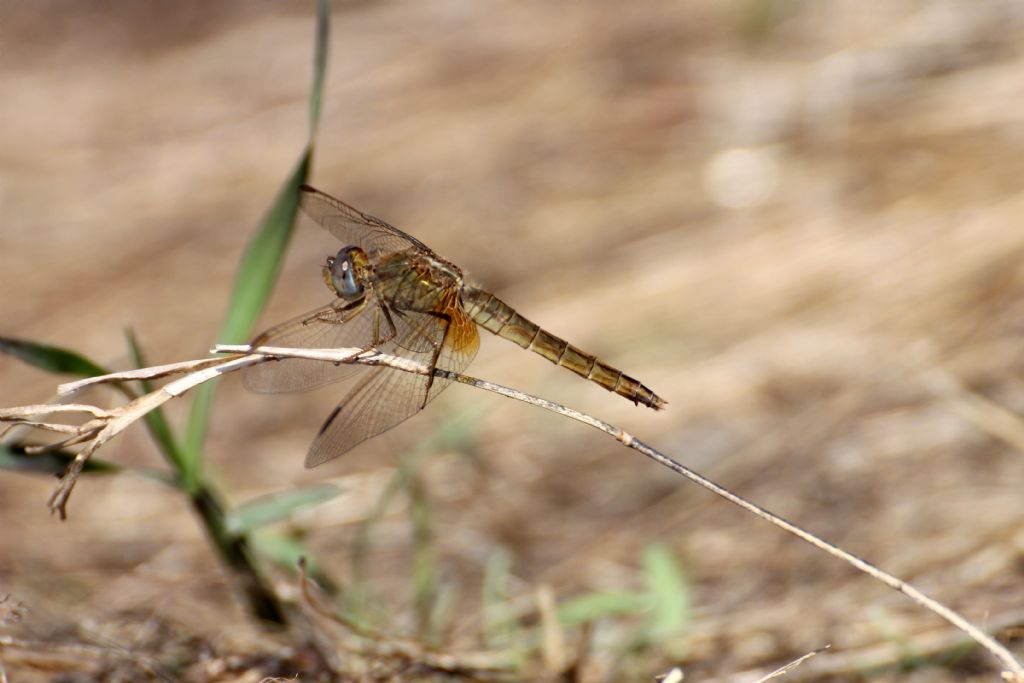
point(497, 317)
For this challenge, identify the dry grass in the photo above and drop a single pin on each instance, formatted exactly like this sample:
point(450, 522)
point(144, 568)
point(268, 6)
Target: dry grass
point(801, 305)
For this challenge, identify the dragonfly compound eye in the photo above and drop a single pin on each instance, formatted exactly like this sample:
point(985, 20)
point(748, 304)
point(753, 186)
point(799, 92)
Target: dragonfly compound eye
point(343, 275)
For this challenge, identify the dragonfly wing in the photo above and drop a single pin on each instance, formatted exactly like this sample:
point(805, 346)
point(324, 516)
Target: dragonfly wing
point(353, 227)
point(386, 396)
point(326, 327)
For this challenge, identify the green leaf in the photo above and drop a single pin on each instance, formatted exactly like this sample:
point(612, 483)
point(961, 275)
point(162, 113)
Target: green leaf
point(275, 507)
point(323, 34)
point(262, 260)
point(13, 457)
point(670, 592)
point(601, 605)
point(50, 358)
point(257, 273)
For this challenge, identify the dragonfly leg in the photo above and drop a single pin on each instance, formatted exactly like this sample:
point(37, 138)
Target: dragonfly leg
point(447, 320)
point(340, 311)
point(435, 345)
point(378, 340)
point(392, 330)
point(339, 315)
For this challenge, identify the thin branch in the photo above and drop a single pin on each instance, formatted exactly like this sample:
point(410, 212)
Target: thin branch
point(47, 426)
point(21, 413)
point(152, 372)
point(783, 670)
point(242, 356)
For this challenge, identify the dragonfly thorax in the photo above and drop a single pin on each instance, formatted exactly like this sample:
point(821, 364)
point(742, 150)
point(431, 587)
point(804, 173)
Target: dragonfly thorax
point(346, 272)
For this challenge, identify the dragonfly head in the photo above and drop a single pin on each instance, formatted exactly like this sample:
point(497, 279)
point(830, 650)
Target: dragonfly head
point(346, 272)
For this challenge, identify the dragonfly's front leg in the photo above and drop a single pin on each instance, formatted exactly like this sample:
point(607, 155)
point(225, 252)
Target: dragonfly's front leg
point(392, 331)
point(338, 315)
point(335, 315)
point(346, 313)
point(446, 322)
point(435, 345)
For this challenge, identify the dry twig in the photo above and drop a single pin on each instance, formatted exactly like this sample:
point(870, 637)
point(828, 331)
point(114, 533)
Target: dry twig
point(785, 669)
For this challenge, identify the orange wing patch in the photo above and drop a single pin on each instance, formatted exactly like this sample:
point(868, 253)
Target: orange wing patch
point(462, 338)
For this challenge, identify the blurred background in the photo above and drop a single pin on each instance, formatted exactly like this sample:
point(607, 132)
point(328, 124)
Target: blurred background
point(799, 222)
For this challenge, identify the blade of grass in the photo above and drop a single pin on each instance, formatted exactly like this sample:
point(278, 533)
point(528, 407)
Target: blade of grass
point(59, 360)
point(266, 510)
point(65, 361)
point(323, 34)
point(13, 457)
point(51, 358)
point(670, 597)
point(262, 260)
point(257, 273)
point(601, 605)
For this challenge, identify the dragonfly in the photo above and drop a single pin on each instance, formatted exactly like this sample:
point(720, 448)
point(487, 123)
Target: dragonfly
point(393, 294)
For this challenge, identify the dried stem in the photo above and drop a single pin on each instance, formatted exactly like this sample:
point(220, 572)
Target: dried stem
point(783, 670)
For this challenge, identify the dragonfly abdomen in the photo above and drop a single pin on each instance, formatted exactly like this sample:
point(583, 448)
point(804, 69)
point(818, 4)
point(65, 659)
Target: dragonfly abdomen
point(499, 318)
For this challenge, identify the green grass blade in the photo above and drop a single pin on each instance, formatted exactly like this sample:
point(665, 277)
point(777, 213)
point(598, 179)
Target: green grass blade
point(266, 510)
point(670, 592)
point(14, 458)
point(594, 606)
point(262, 260)
point(156, 420)
point(323, 33)
point(50, 358)
point(257, 273)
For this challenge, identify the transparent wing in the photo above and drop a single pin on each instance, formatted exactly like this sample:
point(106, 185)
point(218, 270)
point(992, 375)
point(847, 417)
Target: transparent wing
point(352, 226)
point(322, 328)
point(386, 396)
